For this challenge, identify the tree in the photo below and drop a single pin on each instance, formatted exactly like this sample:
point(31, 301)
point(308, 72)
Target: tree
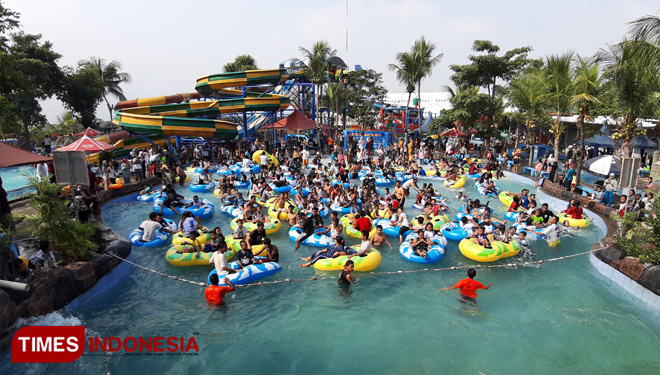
point(336, 95)
point(81, 93)
point(586, 86)
point(423, 51)
point(471, 109)
point(525, 92)
point(241, 63)
point(318, 64)
point(406, 70)
point(484, 71)
point(632, 75)
point(558, 90)
point(31, 74)
point(110, 76)
point(365, 90)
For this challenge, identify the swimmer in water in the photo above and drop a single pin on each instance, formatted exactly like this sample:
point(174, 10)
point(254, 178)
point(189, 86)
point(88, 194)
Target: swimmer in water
point(468, 287)
point(378, 237)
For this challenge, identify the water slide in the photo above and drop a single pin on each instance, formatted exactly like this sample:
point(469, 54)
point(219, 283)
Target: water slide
point(195, 114)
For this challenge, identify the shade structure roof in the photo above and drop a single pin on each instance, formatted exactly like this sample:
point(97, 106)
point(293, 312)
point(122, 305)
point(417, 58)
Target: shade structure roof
point(11, 156)
point(88, 145)
point(297, 121)
point(604, 164)
point(453, 133)
point(643, 143)
point(89, 132)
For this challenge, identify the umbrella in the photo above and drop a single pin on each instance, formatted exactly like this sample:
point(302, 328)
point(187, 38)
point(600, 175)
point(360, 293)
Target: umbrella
point(88, 145)
point(453, 133)
point(89, 132)
point(604, 164)
point(473, 131)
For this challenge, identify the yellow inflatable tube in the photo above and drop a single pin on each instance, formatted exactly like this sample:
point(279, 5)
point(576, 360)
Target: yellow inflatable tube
point(471, 250)
point(270, 227)
point(350, 229)
point(179, 238)
point(367, 263)
point(506, 199)
point(186, 259)
point(437, 221)
point(580, 223)
point(235, 245)
point(271, 159)
point(458, 184)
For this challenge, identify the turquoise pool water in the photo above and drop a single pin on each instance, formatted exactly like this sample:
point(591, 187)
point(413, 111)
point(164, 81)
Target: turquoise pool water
point(15, 180)
point(556, 318)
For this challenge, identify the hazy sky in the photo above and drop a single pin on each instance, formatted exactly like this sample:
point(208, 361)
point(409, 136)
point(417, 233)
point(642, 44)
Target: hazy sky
point(165, 45)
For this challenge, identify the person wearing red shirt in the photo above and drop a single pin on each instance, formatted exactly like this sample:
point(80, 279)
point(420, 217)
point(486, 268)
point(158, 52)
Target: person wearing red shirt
point(362, 222)
point(575, 211)
point(468, 287)
point(515, 204)
point(215, 293)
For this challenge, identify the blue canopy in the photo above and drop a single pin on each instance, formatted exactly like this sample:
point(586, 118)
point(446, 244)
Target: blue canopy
point(425, 125)
point(643, 143)
point(599, 141)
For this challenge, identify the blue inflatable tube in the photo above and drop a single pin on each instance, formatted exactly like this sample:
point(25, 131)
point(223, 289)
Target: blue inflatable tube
point(434, 254)
point(282, 189)
point(389, 229)
point(160, 238)
point(148, 197)
point(341, 210)
point(256, 169)
point(202, 188)
point(512, 216)
point(249, 274)
point(201, 170)
point(241, 185)
point(454, 232)
point(317, 240)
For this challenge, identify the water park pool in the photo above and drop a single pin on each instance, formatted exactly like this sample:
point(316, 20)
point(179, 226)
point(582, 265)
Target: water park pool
point(555, 318)
point(14, 179)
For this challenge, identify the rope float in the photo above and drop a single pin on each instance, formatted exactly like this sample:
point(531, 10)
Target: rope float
point(314, 278)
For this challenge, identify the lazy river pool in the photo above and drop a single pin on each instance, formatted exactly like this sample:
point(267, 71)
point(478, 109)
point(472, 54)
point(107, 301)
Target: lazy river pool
point(15, 181)
point(555, 318)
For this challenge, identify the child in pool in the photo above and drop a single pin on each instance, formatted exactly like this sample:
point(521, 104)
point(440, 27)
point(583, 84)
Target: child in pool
point(525, 251)
point(199, 225)
point(461, 196)
point(345, 277)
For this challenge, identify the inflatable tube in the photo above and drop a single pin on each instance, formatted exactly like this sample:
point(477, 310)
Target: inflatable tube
point(159, 239)
point(232, 210)
point(506, 199)
point(204, 211)
point(272, 161)
point(366, 263)
point(418, 207)
point(186, 259)
point(388, 228)
point(241, 185)
point(434, 254)
point(511, 216)
point(580, 223)
point(461, 215)
point(350, 229)
point(281, 189)
point(270, 227)
point(482, 189)
point(179, 238)
point(381, 181)
point(249, 274)
point(202, 188)
point(532, 234)
point(340, 209)
point(454, 232)
point(148, 197)
point(201, 170)
point(177, 179)
point(471, 250)
point(235, 245)
point(318, 240)
point(438, 221)
point(456, 184)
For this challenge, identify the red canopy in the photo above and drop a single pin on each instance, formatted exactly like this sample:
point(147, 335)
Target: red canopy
point(89, 132)
point(88, 145)
point(473, 131)
point(11, 156)
point(296, 121)
point(453, 133)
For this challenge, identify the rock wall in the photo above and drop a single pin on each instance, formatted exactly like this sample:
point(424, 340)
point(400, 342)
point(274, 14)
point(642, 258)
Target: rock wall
point(53, 289)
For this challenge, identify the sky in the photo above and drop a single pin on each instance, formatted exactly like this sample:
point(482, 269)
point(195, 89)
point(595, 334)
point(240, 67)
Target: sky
point(165, 45)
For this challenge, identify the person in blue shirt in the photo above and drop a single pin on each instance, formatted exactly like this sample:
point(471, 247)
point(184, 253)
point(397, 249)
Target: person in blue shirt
point(325, 253)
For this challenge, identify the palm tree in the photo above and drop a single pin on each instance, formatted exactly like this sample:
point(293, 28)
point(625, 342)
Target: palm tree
point(558, 91)
point(110, 75)
point(406, 71)
point(67, 123)
point(526, 93)
point(634, 78)
point(336, 96)
point(423, 51)
point(241, 63)
point(586, 85)
point(317, 66)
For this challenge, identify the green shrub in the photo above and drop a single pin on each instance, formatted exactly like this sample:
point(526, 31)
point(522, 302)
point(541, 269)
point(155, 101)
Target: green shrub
point(52, 221)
